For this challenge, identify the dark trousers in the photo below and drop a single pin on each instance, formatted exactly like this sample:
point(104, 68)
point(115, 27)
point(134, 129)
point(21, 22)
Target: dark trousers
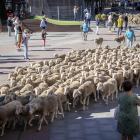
point(125, 26)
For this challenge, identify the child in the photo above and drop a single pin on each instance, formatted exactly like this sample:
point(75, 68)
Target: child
point(25, 43)
point(97, 25)
point(44, 38)
point(15, 28)
point(85, 30)
point(114, 25)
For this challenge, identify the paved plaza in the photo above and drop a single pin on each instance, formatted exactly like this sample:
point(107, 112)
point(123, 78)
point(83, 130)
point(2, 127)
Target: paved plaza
point(96, 122)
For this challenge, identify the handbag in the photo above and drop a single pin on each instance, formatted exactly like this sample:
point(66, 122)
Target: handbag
point(116, 112)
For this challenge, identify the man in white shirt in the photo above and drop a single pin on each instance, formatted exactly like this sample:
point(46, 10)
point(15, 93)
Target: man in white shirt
point(88, 16)
point(75, 12)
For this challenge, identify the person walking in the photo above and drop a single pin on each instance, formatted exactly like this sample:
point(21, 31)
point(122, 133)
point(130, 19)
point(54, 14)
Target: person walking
point(85, 30)
point(130, 35)
point(85, 11)
point(17, 20)
point(19, 36)
point(125, 21)
point(128, 120)
point(97, 25)
point(15, 28)
point(26, 36)
point(88, 16)
point(75, 12)
point(9, 25)
point(120, 25)
point(43, 24)
point(109, 22)
point(44, 38)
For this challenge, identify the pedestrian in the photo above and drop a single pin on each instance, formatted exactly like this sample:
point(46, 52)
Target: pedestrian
point(15, 28)
point(96, 9)
point(9, 25)
point(14, 19)
point(88, 16)
point(26, 36)
point(75, 12)
point(114, 25)
point(19, 35)
point(130, 35)
point(120, 25)
point(109, 24)
point(126, 21)
point(128, 120)
point(17, 20)
point(97, 25)
point(44, 38)
point(85, 11)
point(43, 24)
point(85, 30)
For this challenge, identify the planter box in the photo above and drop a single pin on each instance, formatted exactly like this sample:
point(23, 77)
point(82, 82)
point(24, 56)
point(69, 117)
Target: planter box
point(34, 26)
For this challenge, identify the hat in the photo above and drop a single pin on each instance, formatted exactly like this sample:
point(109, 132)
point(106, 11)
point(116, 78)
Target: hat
point(129, 26)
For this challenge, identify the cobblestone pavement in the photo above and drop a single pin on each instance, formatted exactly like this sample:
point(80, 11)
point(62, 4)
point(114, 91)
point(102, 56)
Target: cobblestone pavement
point(96, 122)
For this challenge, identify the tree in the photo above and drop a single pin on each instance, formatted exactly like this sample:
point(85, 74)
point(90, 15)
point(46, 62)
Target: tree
point(3, 12)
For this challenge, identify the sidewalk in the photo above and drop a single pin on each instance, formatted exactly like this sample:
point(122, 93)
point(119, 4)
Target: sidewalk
point(96, 122)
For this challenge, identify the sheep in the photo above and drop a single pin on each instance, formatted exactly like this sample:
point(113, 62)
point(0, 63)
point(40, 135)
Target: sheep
point(2, 96)
point(4, 90)
point(108, 88)
point(128, 75)
point(98, 41)
point(120, 39)
point(4, 85)
point(84, 91)
point(137, 76)
point(24, 111)
point(33, 83)
point(8, 114)
point(62, 56)
point(27, 87)
point(50, 80)
point(119, 78)
point(48, 105)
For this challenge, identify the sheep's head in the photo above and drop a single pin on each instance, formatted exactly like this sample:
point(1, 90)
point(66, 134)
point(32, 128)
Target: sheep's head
point(13, 96)
point(32, 96)
point(19, 109)
point(7, 99)
point(49, 92)
point(114, 75)
point(46, 62)
point(55, 56)
point(82, 80)
point(75, 93)
point(37, 91)
point(96, 80)
point(43, 77)
point(66, 90)
point(28, 81)
point(125, 74)
point(100, 86)
point(13, 83)
point(32, 108)
point(136, 71)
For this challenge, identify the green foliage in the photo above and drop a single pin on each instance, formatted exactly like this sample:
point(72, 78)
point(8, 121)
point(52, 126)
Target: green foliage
point(101, 17)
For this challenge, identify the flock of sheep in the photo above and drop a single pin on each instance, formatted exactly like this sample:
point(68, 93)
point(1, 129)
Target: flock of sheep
point(43, 87)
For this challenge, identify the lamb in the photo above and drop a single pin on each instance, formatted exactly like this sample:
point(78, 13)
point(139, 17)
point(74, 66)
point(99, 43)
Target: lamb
point(98, 41)
point(48, 105)
point(33, 83)
point(8, 114)
point(24, 111)
point(4, 90)
point(108, 88)
point(84, 91)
